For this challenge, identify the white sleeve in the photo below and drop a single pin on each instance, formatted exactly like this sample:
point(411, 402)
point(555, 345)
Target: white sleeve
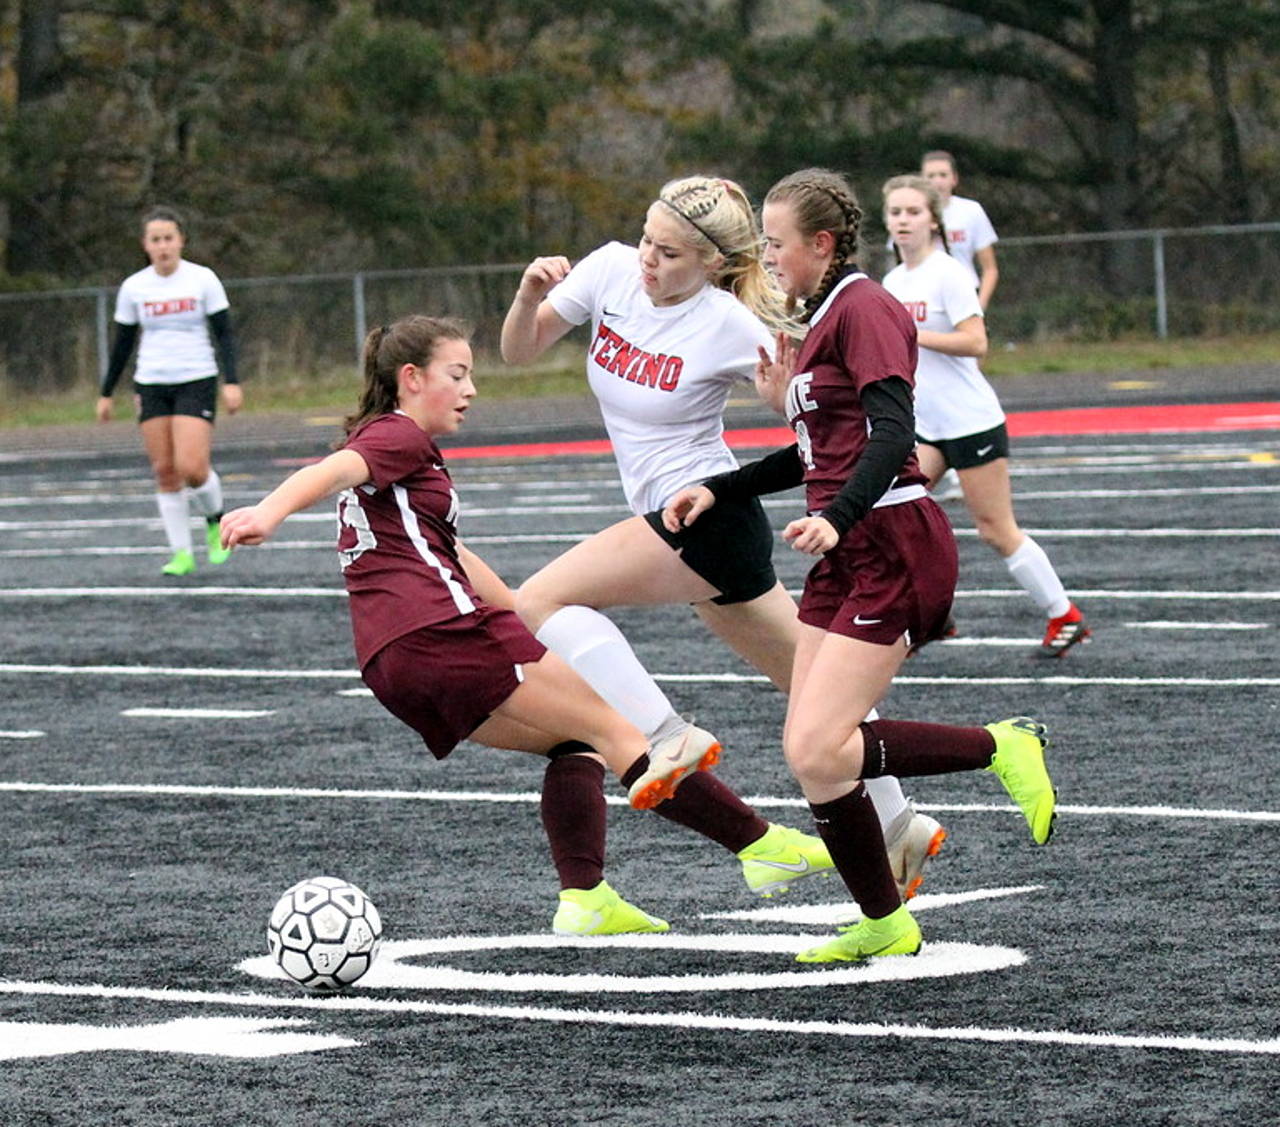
point(984, 234)
point(215, 297)
point(126, 307)
point(959, 298)
point(574, 299)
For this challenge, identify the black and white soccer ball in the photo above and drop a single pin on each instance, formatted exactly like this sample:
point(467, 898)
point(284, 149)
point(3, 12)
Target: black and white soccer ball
point(324, 933)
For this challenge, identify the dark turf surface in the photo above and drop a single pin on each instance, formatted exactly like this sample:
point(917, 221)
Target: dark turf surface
point(1151, 915)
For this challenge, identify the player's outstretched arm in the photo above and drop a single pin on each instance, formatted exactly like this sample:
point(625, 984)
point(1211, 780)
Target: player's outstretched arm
point(489, 585)
point(532, 326)
point(343, 469)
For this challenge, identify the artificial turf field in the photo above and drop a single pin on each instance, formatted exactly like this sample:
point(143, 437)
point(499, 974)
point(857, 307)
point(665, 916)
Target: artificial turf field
point(174, 753)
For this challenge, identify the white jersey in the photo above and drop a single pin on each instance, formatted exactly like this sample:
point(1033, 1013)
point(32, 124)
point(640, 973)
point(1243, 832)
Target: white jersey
point(953, 397)
point(173, 310)
point(968, 231)
point(662, 374)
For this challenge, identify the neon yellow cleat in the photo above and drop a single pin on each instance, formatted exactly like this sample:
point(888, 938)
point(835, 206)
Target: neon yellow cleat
point(781, 857)
point(894, 934)
point(1019, 764)
point(182, 563)
point(601, 911)
point(213, 539)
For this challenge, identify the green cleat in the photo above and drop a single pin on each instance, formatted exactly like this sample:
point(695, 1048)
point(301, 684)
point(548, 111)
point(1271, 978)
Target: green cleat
point(1019, 764)
point(182, 563)
point(213, 539)
point(774, 862)
point(601, 911)
point(894, 934)
point(670, 759)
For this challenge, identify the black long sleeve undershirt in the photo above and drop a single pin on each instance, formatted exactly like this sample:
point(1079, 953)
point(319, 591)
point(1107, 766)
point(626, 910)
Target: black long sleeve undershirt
point(121, 350)
point(889, 411)
point(888, 407)
point(224, 342)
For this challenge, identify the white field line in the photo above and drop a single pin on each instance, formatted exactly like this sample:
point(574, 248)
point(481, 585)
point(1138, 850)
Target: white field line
point(677, 678)
point(199, 713)
point(180, 591)
point(681, 1020)
point(209, 790)
point(24, 734)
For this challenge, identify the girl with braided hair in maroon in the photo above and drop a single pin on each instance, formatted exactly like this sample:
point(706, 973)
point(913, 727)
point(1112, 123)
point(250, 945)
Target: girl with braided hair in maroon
point(886, 557)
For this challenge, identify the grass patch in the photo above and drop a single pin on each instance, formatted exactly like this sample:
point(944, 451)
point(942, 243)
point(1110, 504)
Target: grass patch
point(336, 390)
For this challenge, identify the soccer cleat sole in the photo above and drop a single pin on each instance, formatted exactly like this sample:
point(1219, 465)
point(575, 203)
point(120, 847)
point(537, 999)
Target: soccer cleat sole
point(932, 850)
point(659, 790)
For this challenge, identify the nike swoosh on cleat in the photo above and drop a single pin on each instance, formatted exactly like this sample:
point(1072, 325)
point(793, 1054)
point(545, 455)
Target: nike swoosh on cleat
point(802, 866)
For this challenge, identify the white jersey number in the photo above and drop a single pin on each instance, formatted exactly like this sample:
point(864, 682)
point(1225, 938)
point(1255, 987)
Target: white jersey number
point(351, 515)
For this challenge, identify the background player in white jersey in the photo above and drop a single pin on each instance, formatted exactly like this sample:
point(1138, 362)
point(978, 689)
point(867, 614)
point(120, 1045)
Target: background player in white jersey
point(887, 569)
point(437, 642)
point(970, 235)
point(676, 325)
point(959, 421)
point(181, 311)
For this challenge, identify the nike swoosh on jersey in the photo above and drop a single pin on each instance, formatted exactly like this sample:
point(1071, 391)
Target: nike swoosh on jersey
point(858, 620)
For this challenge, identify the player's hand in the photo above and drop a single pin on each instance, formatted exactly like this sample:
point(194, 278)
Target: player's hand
point(686, 506)
point(811, 535)
point(246, 526)
point(104, 408)
point(540, 276)
point(232, 397)
point(773, 373)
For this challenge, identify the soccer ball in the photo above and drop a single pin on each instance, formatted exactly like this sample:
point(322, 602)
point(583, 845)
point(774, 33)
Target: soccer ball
point(324, 933)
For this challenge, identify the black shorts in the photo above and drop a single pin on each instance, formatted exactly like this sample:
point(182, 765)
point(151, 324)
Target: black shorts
point(197, 398)
point(730, 546)
point(973, 449)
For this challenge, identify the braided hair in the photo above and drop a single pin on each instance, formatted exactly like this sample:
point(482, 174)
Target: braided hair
point(387, 348)
point(720, 222)
point(932, 197)
point(821, 200)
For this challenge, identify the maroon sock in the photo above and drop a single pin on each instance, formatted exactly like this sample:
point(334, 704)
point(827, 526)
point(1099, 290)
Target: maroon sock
point(706, 805)
point(907, 748)
point(851, 830)
point(573, 814)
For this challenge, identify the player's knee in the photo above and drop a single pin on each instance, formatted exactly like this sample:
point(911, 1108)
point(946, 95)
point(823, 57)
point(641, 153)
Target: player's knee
point(534, 603)
point(812, 759)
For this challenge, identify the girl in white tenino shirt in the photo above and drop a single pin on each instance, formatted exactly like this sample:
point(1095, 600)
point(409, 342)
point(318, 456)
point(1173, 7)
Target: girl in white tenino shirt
point(959, 421)
point(181, 312)
point(676, 326)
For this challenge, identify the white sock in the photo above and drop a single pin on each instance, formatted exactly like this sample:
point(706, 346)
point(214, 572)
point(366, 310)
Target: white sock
point(1035, 575)
point(207, 497)
point(175, 514)
point(602, 657)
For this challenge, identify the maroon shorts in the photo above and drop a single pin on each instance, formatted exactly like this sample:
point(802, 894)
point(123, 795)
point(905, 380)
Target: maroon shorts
point(445, 680)
point(893, 574)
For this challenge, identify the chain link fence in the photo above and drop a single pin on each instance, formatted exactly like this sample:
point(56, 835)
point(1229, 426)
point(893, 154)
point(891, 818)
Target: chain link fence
point(1204, 281)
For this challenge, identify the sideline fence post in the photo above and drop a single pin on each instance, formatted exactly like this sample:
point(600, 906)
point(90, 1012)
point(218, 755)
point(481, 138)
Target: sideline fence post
point(101, 333)
point(1162, 303)
point(357, 298)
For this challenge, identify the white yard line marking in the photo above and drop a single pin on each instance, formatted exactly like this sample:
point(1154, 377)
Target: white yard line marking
point(1164, 624)
point(677, 678)
point(688, 1020)
point(209, 790)
point(199, 713)
point(27, 734)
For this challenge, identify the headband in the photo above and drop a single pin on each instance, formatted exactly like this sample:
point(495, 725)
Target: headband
point(695, 225)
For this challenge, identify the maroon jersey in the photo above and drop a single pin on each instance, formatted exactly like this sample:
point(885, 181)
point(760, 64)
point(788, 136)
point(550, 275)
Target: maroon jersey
point(860, 334)
point(397, 537)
